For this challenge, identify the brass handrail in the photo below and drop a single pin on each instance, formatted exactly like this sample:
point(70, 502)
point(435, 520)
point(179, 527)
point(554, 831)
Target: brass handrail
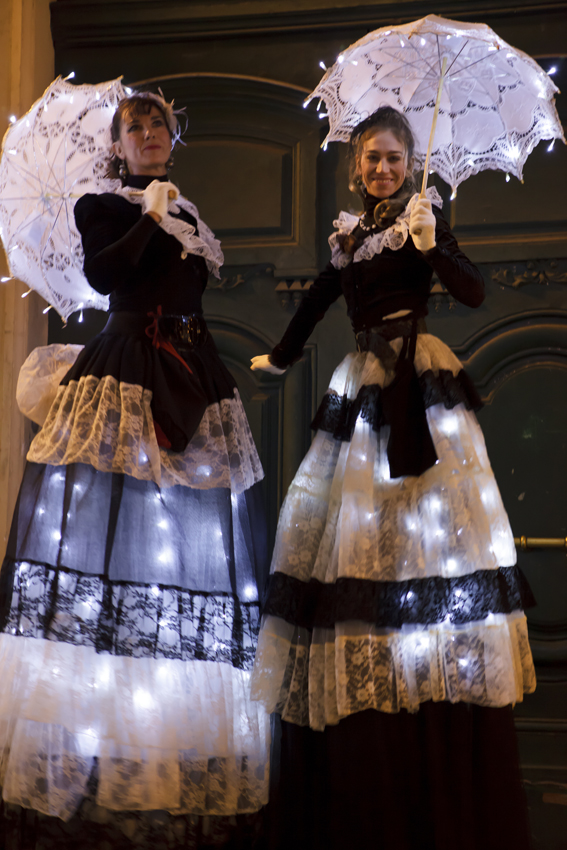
point(527, 543)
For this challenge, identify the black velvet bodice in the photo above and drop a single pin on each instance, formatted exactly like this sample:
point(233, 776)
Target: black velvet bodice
point(129, 257)
point(390, 281)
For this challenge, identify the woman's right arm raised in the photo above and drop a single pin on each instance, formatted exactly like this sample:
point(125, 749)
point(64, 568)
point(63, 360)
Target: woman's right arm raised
point(112, 249)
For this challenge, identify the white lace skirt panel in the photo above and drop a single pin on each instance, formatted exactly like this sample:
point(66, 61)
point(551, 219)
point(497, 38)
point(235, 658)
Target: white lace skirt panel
point(318, 678)
point(40, 376)
point(168, 734)
point(109, 425)
point(344, 516)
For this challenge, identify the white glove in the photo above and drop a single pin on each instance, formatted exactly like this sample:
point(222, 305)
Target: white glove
point(262, 362)
point(156, 197)
point(423, 220)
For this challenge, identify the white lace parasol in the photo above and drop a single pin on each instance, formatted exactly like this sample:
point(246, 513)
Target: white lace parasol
point(496, 102)
point(53, 154)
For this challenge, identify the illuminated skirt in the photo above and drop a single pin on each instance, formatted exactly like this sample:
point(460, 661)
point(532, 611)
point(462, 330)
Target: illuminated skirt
point(129, 605)
point(393, 640)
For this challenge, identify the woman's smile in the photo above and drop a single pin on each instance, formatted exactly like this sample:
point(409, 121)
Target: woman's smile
point(383, 164)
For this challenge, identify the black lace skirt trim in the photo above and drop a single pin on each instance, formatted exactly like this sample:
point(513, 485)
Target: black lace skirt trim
point(126, 618)
point(337, 415)
point(393, 604)
point(93, 828)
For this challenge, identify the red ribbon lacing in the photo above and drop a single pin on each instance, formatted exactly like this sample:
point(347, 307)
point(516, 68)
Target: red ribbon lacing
point(158, 340)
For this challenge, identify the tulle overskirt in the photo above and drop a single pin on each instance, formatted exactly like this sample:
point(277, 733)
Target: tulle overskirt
point(129, 597)
point(386, 593)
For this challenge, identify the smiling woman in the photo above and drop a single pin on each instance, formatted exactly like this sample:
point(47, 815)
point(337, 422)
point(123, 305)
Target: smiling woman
point(393, 643)
point(383, 164)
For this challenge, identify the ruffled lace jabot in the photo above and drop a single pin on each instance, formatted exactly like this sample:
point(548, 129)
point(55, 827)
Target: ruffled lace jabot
point(393, 237)
point(203, 245)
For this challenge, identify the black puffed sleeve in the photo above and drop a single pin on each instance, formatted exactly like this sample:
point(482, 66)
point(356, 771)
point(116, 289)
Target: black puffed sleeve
point(454, 269)
point(113, 242)
point(323, 292)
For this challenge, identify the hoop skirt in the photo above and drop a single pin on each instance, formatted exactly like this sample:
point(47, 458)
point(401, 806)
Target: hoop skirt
point(394, 640)
point(129, 607)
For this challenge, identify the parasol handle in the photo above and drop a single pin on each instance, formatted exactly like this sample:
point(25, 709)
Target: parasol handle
point(171, 195)
point(432, 134)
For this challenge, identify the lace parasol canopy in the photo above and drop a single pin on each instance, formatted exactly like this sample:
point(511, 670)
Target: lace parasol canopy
point(51, 156)
point(496, 103)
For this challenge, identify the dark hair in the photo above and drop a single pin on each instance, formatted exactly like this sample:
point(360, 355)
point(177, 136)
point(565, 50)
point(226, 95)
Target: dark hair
point(385, 118)
point(140, 103)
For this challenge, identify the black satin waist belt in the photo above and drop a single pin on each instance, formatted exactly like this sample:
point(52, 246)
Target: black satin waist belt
point(190, 330)
point(410, 446)
point(377, 339)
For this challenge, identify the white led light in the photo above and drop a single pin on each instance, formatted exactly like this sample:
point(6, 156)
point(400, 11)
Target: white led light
point(340, 58)
point(12, 119)
point(155, 590)
point(552, 70)
point(322, 65)
point(47, 309)
point(6, 279)
point(550, 147)
point(250, 591)
point(128, 90)
point(507, 178)
point(70, 76)
point(451, 565)
point(143, 698)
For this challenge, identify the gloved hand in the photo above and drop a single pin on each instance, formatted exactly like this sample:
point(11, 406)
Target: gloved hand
point(156, 197)
point(262, 362)
point(422, 225)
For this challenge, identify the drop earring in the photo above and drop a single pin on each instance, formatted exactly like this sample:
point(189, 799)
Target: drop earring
point(123, 169)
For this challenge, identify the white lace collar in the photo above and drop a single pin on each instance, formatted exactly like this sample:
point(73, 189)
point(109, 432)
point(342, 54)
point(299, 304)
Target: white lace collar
point(394, 237)
point(204, 245)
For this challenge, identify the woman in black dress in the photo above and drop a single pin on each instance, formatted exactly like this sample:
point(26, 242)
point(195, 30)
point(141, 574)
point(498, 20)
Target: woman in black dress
point(394, 643)
point(129, 606)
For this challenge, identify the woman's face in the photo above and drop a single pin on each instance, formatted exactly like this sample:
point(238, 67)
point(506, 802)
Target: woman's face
point(383, 164)
point(144, 142)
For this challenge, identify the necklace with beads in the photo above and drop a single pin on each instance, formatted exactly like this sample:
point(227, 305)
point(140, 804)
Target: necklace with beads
point(367, 228)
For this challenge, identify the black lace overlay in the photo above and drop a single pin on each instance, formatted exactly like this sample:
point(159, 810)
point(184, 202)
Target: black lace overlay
point(337, 415)
point(94, 828)
point(126, 618)
point(393, 604)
